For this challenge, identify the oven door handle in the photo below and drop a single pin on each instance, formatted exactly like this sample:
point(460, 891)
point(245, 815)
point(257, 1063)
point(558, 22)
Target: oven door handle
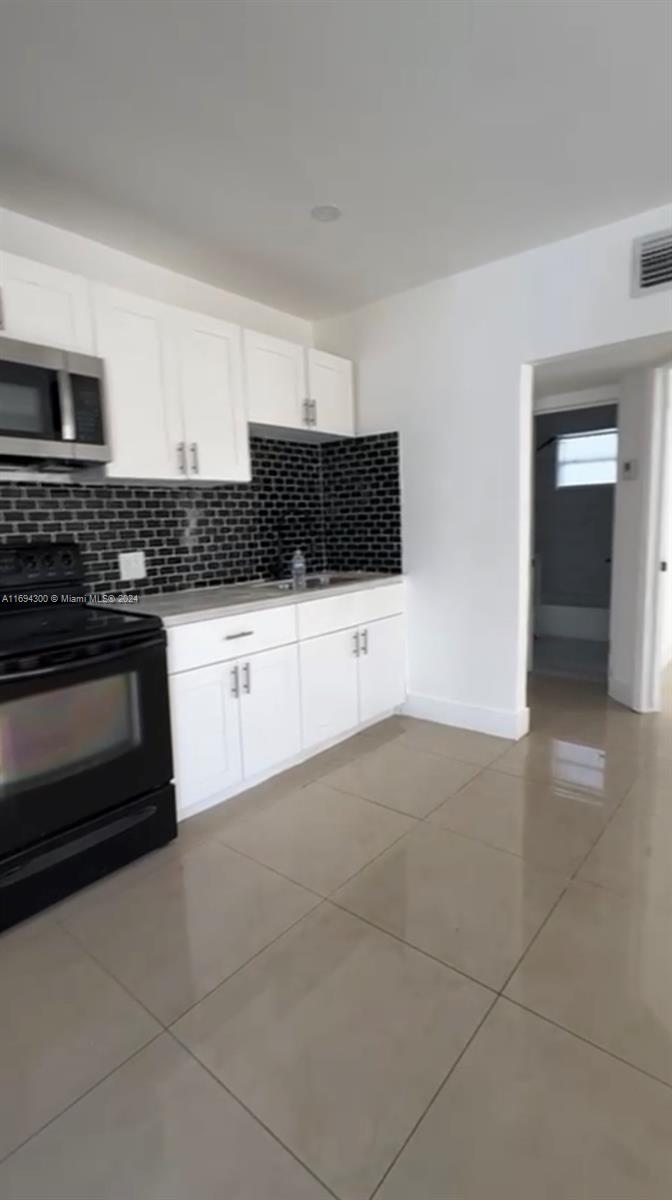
point(76, 664)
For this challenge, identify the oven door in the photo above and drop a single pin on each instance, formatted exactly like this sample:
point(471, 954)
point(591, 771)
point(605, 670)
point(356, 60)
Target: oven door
point(34, 420)
point(80, 738)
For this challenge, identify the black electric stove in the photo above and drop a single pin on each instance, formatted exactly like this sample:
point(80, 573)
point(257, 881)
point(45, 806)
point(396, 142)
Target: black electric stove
point(85, 751)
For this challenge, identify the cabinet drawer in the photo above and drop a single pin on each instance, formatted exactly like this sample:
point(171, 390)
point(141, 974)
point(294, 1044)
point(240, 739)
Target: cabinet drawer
point(380, 602)
point(203, 642)
point(316, 617)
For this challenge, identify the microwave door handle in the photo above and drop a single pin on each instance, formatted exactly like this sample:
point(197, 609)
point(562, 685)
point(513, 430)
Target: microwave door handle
point(67, 407)
point(78, 663)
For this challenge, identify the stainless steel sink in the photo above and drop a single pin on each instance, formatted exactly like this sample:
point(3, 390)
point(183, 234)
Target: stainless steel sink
point(316, 582)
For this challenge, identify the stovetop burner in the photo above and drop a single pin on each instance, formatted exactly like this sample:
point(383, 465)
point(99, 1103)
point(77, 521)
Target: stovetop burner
point(43, 602)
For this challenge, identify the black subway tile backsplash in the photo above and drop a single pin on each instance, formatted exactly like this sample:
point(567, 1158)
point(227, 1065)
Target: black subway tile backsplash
point(338, 501)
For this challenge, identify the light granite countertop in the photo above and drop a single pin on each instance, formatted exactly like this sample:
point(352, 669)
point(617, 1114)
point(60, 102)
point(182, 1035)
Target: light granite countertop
point(202, 604)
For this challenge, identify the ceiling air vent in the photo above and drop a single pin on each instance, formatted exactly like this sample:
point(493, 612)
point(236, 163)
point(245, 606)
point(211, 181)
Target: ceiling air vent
point(652, 263)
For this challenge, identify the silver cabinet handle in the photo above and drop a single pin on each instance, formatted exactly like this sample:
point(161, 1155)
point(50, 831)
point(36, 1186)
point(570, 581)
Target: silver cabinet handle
point(365, 641)
point(247, 678)
point(313, 408)
point(235, 680)
point(181, 458)
point(232, 637)
point(355, 648)
point(194, 457)
point(306, 411)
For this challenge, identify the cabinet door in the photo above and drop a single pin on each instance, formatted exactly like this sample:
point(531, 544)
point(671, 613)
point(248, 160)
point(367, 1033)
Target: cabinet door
point(328, 668)
point(210, 372)
point(276, 380)
point(330, 387)
point(206, 733)
point(382, 667)
point(142, 402)
point(44, 305)
point(270, 713)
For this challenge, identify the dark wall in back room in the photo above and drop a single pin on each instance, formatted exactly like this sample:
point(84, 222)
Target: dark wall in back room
point(573, 526)
point(226, 533)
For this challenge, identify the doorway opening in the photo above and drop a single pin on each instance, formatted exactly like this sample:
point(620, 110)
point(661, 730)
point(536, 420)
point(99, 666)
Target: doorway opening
point(600, 611)
point(575, 472)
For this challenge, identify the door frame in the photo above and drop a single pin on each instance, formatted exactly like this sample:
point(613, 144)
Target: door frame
point(649, 651)
point(646, 694)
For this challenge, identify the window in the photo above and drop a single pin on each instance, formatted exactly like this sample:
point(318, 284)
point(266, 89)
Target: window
point(586, 459)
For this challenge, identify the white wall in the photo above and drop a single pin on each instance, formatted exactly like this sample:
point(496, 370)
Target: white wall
point(443, 364)
point(59, 248)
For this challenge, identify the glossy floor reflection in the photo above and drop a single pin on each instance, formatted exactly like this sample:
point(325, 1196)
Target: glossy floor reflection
point(355, 980)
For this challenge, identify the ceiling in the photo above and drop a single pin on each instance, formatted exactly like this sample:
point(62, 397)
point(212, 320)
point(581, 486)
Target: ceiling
point(199, 134)
point(604, 365)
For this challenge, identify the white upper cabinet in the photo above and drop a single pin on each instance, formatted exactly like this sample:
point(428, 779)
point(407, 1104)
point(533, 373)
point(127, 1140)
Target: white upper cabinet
point(44, 305)
point(143, 413)
point(330, 390)
point(276, 381)
point(210, 381)
point(175, 390)
point(291, 387)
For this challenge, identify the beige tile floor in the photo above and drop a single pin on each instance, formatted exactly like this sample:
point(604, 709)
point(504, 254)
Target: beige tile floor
point(426, 965)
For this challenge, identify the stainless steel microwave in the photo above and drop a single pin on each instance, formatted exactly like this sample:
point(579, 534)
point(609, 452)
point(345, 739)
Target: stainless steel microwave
point(52, 406)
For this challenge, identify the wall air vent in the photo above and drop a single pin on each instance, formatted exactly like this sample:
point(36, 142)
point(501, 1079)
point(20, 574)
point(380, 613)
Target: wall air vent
point(652, 263)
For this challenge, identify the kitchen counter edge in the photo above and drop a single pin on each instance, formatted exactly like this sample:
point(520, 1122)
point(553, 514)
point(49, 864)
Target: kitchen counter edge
point(177, 608)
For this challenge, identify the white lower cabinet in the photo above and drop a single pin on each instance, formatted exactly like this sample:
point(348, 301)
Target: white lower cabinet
point(233, 721)
point(382, 675)
point(303, 683)
point(328, 686)
point(206, 733)
point(270, 716)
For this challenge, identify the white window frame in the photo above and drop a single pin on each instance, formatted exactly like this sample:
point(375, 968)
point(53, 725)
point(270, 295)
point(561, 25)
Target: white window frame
point(608, 461)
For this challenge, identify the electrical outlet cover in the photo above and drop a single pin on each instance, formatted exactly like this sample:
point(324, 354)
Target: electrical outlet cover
point(132, 565)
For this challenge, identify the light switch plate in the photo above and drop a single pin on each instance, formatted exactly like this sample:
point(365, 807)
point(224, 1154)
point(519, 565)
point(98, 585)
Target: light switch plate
point(132, 565)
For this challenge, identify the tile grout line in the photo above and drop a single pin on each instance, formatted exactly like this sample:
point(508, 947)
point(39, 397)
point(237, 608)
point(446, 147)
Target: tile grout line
point(580, 1037)
point(412, 946)
point(204, 1067)
point(262, 950)
point(501, 996)
point(439, 1089)
point(219, 840)
point(534, 937)
point(329, 898)
point(82, 1096)
point(110, 974)
point(290, 879)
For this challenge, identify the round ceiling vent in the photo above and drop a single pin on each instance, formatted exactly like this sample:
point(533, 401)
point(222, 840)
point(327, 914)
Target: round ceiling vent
point(325, 213)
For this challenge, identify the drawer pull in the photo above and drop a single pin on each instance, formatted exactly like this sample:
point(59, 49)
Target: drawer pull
point(231, 637)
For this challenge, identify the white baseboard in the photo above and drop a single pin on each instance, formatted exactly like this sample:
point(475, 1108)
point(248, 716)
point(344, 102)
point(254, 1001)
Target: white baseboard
point(502, 722)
